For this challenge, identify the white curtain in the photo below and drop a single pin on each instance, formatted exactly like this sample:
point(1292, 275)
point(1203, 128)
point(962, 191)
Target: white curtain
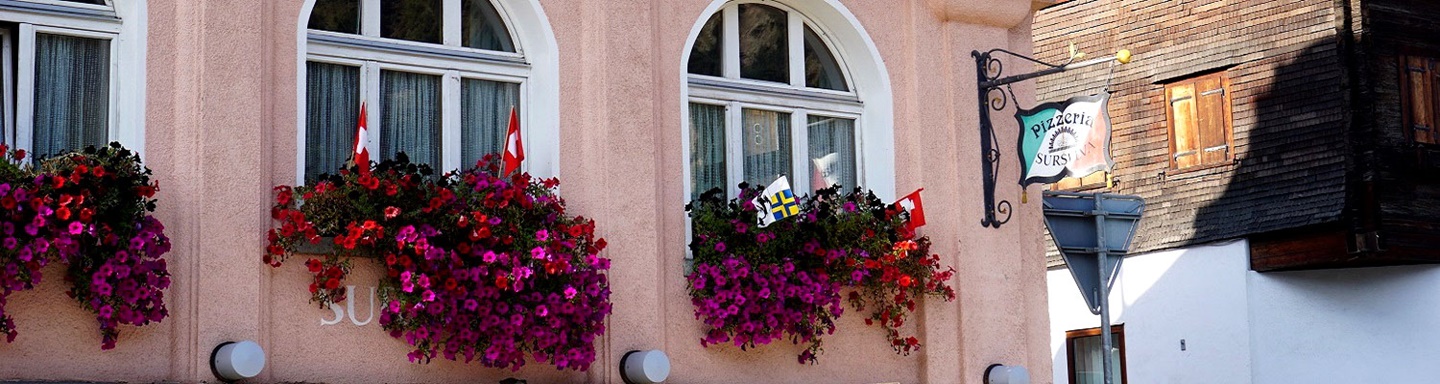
point(485, 117)
point(332, 102)
point(1088, 364)
point(707, 148)
point(72, 93)
point(832, 151)
point(410, 117)
point(766, 145)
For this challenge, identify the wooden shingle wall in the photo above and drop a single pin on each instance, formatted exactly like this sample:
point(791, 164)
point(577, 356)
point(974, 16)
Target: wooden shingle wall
point(1289, 93)
point(1405, 175)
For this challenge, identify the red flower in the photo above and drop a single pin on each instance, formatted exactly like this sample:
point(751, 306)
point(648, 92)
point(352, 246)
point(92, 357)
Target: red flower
point(391, 212)
point(86, 214)
point(63, 213)
point(314, 265)
point(502, 281)
point(19, 154)
point(332, 284)
point(99, 171)
point(7, 202)
point(283, 198)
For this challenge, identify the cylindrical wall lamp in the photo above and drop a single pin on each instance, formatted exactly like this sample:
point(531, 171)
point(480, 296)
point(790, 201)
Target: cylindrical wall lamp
point(237, 360)
point(644, 367)
point(1002, 374)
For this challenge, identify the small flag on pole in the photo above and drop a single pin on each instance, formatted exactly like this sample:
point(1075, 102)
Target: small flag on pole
point(776, 202)
point(911, 203)
point(362, 154)
point(514, 149)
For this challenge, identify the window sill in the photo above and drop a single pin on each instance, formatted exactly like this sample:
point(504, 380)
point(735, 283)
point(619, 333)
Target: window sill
point(1200, 170)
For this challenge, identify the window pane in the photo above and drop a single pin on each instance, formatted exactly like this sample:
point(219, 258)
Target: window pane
point(72, 93)
point(332, 113)
point(832, 151)
point(705, 56)
point(707, 148)
point(1088, 364)
point(481, 27)
point(767, 145)
point(414, 20)
point(96, 2)
point(410, 118)
point(764, 43)
point(336, 16)
point(485, 117)
point(821, 69)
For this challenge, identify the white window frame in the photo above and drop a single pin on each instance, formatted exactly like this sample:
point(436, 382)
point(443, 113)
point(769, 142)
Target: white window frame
point(23, 130)
point(121, 25)
point(450, 60)
point(736, 94)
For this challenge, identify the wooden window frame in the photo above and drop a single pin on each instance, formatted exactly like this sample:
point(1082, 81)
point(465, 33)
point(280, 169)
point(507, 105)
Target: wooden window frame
point(1084, 183)
point(1227, 120)
point(1118, 330)
point(1430, 69)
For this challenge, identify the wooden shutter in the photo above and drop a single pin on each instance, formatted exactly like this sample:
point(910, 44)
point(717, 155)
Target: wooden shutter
point(1420, 102)
point(1432, 103)
point(1213, 124)
point(1184, 140)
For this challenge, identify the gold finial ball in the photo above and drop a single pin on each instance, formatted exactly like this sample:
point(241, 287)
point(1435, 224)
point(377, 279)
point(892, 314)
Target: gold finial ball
point(1123, 56)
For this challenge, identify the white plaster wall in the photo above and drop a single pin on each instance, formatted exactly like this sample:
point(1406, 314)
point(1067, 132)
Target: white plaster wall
point(1367, 325)
point(1197, 294)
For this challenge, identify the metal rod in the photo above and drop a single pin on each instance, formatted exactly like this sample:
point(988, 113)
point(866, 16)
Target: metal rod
point(1043, 72)
point(1107, 360)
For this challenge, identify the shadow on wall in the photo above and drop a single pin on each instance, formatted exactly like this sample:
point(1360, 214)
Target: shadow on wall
point(1290, 143)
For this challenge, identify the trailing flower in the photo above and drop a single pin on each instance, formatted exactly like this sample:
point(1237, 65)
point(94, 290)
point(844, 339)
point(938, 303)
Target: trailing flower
point(754, 285)
point(90, 210)
point(478, 267)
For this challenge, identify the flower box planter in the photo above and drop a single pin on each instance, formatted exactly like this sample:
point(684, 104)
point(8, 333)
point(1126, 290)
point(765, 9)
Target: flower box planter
point(753, 285)
point(477, 267)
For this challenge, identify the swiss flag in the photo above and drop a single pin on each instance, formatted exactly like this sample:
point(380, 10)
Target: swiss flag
point(911, 203)
point(514, 149)
point(362, 154)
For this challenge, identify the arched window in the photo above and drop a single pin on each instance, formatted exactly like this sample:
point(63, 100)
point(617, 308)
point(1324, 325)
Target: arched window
point(438, 78)
point(72, 75)
point(768, 96)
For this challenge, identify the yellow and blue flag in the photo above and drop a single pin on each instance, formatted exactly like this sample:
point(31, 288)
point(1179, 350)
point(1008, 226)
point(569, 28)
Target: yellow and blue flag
point(777, 202)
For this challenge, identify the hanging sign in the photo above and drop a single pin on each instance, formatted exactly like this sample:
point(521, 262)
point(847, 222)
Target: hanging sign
point(1066, 139)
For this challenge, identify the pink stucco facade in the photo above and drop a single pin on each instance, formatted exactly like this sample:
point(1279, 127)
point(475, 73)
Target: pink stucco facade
point(221, 111)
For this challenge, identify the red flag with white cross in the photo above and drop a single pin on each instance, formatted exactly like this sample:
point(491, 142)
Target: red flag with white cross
point(911, 203)
point(514, 149)
point(362, 154)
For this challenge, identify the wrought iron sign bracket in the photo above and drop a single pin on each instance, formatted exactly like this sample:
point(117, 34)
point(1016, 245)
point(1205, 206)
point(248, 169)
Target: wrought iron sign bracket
point(988, 72)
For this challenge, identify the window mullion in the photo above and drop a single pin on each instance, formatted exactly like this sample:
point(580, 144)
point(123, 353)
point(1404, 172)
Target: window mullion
point(451, 27)
point(730, 55)
point(859, 154)
point(112, 128)
point(370, 93)
point(734, 139)
point(450, 121)
point(370, 18)
point(796, 46)
point(800, 167)
point(25, 116)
